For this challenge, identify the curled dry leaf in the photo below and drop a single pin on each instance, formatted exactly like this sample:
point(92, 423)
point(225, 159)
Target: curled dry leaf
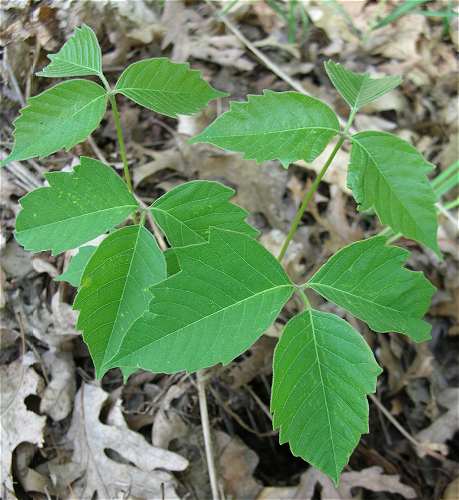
point(237, 463)
point(444, 428)
point(57, 398)
point(168, 424)
point(372, 479)
point(18, 424)
point(140, 472)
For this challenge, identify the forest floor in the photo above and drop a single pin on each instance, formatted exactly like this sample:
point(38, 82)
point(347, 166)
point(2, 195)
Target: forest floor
point(66, 435)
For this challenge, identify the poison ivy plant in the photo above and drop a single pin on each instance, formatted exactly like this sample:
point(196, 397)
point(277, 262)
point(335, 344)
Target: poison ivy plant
point(216, 289)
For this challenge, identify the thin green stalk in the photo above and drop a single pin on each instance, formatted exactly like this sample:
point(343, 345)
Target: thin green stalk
point(308, 196)
point(119, 133)
point(303, 295)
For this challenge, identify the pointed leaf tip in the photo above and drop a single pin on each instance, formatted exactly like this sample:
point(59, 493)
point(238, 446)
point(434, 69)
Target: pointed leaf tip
point(359, 89)
point(79, 56)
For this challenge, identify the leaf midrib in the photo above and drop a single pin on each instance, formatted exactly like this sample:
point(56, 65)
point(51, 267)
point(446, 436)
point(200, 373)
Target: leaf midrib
point(96, 71)
point(75, 217)
point(271, 133)
point(359, 297)
point(178, 331)
point(121, 299)
point(319, 366)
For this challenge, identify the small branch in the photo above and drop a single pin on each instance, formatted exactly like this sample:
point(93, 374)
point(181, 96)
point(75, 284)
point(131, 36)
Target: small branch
point(417, 444)
point(201, 382)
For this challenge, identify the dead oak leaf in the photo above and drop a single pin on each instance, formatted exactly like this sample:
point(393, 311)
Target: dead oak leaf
point(18, 424)
point(112, 460)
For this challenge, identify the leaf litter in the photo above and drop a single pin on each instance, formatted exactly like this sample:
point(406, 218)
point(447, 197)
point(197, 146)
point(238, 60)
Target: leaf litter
point(146, 434)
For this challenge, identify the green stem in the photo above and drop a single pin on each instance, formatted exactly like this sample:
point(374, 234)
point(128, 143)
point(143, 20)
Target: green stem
point(299, 214)
point(308, 196)
point(303, 295)
point(119, 133)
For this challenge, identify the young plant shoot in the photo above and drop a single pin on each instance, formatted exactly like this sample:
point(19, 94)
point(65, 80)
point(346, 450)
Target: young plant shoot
point(216, 289)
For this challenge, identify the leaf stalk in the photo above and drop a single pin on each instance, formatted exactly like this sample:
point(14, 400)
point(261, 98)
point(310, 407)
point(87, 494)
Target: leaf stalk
point(308, 196)
point(122, 146)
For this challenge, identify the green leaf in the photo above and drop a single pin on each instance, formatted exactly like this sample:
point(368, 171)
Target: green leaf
point(166, 87)
point(359, 89)
point(186, 213)
point(323, 370)
point(284, 126)
point(59, 117)
point(228, 292)
point(79, 56)
point(367, 278)
point(114, 290)
point(388, 174)
point(76, 266)
point(76, 207)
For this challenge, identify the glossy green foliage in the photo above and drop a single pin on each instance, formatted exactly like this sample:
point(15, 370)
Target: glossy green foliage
point(211, 295)
point(60, 117)
point(284, 126)
point(359, 89)
point(368, 279)
point(166, 87)
point(388, 174)
point(228, 292)
point(79, 56)
point(75, 208)
point(323, 370)
point(76, 266)
point(114, 289)
point(186, 213)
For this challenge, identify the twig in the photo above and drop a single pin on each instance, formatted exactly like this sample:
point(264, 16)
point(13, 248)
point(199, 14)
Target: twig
point(14, 82)
point(403, 431)
point(260, 403)
point(201, 382)
point(265, 60)
point(239, 420)
point(96, 149)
